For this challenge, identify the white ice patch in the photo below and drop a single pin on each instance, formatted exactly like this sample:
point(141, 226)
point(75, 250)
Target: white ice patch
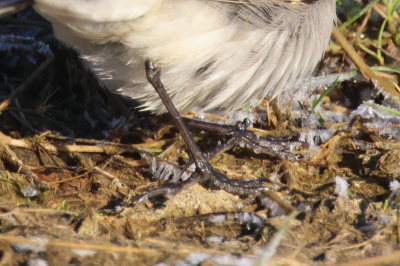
point(341, 186)
point(315, 137)
point(274, 208)
point(394, 185)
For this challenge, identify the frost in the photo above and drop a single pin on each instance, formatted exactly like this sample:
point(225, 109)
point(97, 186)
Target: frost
point(84, 252)
point(314, 137)
point(394, 196)
point(275, 178)
point(164, 169)
point(394, 185)
point(35, 245)
point(249, 218)
point(216, 239)
point(384, 220)
point(379, 120)
point(324, 80)
point(274, 208)
point(239, 116)
point(366, 111)
point(229, 118)
point(29, 191)
point(161, 264)
point(36, 262)
point(218, 218)
point(312, 151)
point(197, 257)
point(231, 260)
point(333, 117)
point(341, 186)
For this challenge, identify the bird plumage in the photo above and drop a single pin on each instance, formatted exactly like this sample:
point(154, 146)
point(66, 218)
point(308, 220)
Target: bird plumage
point(214, 54)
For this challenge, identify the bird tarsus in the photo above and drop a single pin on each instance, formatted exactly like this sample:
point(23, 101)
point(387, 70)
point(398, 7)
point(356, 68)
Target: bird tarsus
point(204, 171)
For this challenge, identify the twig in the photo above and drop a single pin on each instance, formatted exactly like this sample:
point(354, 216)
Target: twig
point(28, 81)
point(393, 258)
point(14, 161)
point(108, 148)
point(72, 178)
point(20, 211)
point(348, 48)
point(103, 248)
point(385, 52)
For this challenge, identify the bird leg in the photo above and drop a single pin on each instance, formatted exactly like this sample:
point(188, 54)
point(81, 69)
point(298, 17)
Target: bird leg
point(240, 136)
point(204, 171)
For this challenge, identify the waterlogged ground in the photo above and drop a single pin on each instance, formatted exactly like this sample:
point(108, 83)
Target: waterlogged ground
point(74, 159)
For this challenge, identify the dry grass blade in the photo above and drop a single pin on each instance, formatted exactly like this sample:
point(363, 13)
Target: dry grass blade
point(366, 70)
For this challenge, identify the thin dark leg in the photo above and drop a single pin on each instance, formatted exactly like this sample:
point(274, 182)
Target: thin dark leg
point(240, 136)
point(153, 76)
point(205, 172)
point(170, 190)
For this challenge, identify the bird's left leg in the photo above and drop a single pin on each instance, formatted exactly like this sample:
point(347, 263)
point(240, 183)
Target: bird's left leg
point(204, 170)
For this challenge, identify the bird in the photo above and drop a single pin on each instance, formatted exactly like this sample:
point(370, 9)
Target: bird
point(215, 54)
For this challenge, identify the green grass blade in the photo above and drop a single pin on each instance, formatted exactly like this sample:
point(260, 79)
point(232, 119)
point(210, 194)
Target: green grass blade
point(383, 108)
point(319, 99)
point(359, 14)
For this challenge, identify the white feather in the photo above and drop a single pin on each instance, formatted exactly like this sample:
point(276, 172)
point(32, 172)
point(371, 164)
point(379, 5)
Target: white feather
point(214, 54)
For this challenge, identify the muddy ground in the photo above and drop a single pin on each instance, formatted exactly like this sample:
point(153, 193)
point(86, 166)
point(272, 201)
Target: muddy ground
point(73, 164)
